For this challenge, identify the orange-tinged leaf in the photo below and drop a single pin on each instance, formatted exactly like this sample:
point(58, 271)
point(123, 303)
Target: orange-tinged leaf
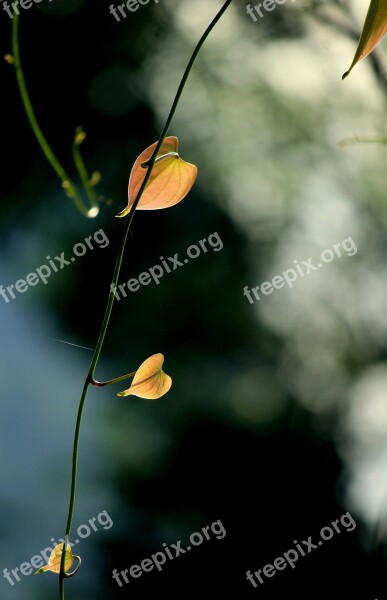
point(150, 381)
point(375, 27)
point(170, 181)
point(55, 560)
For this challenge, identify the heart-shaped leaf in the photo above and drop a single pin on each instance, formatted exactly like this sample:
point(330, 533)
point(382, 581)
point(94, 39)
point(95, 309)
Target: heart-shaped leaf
point(170, 181)
point(150, 381)
point(375, 27)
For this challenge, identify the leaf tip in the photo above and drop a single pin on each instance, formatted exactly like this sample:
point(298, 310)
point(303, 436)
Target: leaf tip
point(345, 75)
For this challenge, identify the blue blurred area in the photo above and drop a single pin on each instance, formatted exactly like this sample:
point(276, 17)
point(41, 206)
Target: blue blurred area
point(41, 378)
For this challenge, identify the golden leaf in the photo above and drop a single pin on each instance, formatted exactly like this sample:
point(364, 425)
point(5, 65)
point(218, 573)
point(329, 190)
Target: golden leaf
point(170, 181)
point(375, 27)
point(55, 560)
point(150, 381)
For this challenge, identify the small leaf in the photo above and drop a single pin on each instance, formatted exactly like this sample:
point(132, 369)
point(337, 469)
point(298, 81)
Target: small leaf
point(150, 381)
point(374, 28)
point(170, 181)
point(55, 560)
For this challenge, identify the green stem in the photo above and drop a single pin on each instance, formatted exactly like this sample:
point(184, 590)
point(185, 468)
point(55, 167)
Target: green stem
point(362, 140)
point(84, 177)
point(67, 184)
point(112, 381)
point(117, 269)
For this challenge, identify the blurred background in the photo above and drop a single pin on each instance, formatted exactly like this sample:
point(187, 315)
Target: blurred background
point(276, 423)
